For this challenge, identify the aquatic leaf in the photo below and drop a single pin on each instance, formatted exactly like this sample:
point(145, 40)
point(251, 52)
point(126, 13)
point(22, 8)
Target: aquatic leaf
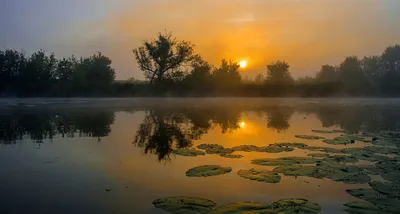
point(295, 205)
point(384, 202)
point(184, 204)
point(318, 155)
point(310, 137)
point(214, 149)
point(391, 189)
point(270, 149)
point(260, 175)
point(243, 207)
point(328, 131)
point(233, 156)
point(283, 161)
point(208, 170)
point(363, 207)
point(188, 152)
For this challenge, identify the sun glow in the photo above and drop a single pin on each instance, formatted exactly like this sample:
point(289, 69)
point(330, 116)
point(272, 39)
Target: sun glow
point(243, 63)
point(242, 124)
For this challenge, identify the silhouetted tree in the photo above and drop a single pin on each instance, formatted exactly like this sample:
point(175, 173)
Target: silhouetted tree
point(351, 75)
point(226, 77)
point(391, 70)
point(278, 73)
point(327, 73)
point(161, 57)
point(11, 64)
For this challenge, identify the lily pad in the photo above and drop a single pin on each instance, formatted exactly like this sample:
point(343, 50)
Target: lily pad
point(208, 170)
point(310, 137)
point(335, 172)
point(260, 175)
point(283, 161)
point(391, 189)
point(269, 149)
point(184, 204)
point(188, 152)
point(384, 202)
point(295, 205)
point(363, 207)
point(243, 207)
point(294, 145)
point(323, 149)
point(318, 155)
point(233, 156)
point(214, 149)
point(340, 159)
point(328, 131)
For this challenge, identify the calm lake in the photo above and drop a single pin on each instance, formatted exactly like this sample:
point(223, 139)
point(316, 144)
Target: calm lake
point(120, 155)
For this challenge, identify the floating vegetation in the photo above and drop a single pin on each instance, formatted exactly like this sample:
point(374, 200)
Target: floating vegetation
point(243, 207)
point(363, 207)
point(390, 189)
point(328, 131)
point(384, 202)
point(293, 145)
point(269, 149)
point(323, 149)
point(339, 173)
point(184, 204)
point(260, 175)
point(189, 152)
point(310, 137)
point(318, 155)
point(233, 156)
point(283, 161)
point(215, 149)
point(295, 205)
point(340, 159)
point(208, 170)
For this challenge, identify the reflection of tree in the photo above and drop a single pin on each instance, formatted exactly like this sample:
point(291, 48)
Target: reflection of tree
point(162, 131)
point(355, 118)
point(40, 126)
point(278, 118)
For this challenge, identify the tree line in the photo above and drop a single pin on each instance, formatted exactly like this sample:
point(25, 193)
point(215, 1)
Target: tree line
point(172, 68)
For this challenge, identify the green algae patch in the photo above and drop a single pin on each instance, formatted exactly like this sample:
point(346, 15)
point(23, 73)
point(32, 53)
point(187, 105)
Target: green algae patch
point(363, 207)
point(391, 189)
point(208, 170)
point(189, 152)
point(310, 137)
point(185, 204)
point(295, 205)
point(233, 156)
point(283, 161)
point(260, 175)
point(215, 149)
point(328, 131)
point(268, 149)
point(243, 207)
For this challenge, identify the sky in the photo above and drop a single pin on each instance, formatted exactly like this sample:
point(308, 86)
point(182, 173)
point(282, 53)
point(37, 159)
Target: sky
point(305, 33)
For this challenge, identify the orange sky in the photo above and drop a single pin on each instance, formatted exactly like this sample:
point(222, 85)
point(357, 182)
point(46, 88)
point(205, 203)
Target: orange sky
point(306, 33)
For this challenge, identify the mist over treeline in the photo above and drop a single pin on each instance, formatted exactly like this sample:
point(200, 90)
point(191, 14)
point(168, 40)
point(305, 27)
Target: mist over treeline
point(172, 68)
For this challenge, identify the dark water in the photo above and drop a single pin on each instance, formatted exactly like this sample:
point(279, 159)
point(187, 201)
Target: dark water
point(60, 156)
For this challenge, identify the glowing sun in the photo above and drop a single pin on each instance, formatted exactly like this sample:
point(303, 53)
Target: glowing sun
point(243, 63)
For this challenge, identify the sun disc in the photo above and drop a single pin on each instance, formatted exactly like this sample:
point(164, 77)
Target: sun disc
point(243, 64)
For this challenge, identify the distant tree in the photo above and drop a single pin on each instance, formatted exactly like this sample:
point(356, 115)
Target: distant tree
point(351, 75)
point(278, 73)
point(226, 77)
point(11, 64)
point(198, 81)
point(38, 75)
point(259, 79)
point(94, 74)
point(160, 57)
point(391, 70)
point(327, 73)
point(372, 69)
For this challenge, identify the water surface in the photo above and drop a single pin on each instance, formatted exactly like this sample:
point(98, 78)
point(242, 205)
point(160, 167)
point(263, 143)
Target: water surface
point(60, 156)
